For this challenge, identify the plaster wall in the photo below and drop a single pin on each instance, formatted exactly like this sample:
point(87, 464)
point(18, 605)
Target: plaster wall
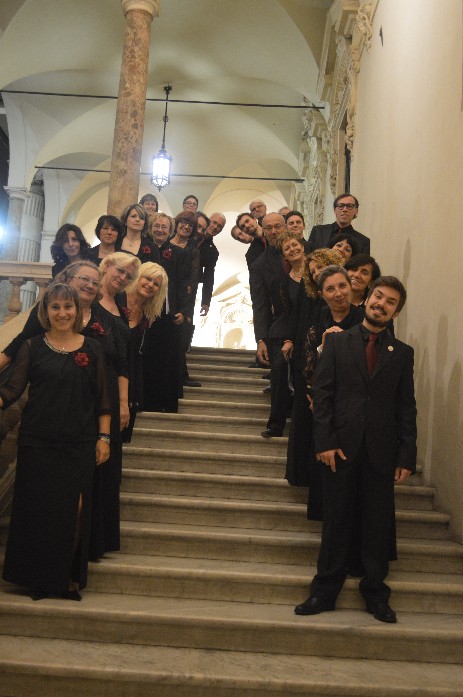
point(408, 175)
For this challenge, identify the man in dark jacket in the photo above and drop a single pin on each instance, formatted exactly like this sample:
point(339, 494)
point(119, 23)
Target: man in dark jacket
point(209, 255)
point(365, 434)
point(346, 208)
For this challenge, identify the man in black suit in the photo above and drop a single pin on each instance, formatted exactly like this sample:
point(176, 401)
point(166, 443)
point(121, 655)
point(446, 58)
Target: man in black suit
point(365, 434)
point(346, 208)
point(249, 226)
point(209, 255)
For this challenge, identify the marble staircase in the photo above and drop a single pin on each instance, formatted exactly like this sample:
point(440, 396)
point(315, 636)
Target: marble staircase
point(216, 551)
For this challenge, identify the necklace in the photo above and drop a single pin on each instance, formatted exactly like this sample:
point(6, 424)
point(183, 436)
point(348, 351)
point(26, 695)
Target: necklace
point(132, 242)
point(296, 274)
point(54, 348)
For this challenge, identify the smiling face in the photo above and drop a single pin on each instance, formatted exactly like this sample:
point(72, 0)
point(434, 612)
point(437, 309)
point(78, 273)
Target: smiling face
point(257, 208)
point(116, 278)
point(248, 225)
point(184, 230)
point(361, 278)
point(295, 224)
point(315, 269)
point(344, 248)
point(216, 225)
point(87, 284)
point(190, 204)
point(72, 246)
point(292, 251)
point(381, 307)
point(150, 206)
point(160, 230)
point(148, 286)
point(345, 211)
point(337, 293)
point(61, 314)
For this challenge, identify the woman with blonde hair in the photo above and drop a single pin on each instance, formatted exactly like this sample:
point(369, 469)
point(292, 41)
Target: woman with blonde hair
point(144, 300)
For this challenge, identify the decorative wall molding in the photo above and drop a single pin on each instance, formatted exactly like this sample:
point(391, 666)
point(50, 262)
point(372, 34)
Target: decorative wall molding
point(149, 6)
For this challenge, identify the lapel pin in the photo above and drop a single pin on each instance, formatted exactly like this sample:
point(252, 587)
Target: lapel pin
point(390, 348)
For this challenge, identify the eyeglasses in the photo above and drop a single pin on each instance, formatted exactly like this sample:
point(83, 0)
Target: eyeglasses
point(347, 206)
point(123, 272)
point(88, 281)
point(260, 205)
point(185, 224)
point(277, 227)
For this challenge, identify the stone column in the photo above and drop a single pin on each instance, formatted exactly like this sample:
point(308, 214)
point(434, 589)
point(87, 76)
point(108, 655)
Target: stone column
point(130, 114)
point(31, 237)
point(17, 196)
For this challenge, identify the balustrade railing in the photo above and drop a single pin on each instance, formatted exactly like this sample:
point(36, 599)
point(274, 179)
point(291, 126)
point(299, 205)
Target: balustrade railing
point(18, 273)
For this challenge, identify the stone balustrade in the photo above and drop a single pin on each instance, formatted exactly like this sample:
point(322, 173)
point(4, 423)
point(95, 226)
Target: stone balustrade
point(18, 273)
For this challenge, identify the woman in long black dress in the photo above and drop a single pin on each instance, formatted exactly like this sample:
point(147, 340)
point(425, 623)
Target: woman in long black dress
point(162, 351)
point(64, 431)
point(99, 324)
point(68, 246)
point(135, 239)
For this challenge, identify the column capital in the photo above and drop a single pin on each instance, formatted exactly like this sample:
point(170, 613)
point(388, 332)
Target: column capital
point(17, 192)
point(149, 6)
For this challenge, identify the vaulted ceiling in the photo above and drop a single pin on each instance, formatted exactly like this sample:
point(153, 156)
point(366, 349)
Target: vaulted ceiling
point(259, 51)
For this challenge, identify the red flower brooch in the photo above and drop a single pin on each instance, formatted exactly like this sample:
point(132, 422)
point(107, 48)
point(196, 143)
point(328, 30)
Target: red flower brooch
point(82, 359)
point(146, 250)
point(97, 328)
point(167, 254)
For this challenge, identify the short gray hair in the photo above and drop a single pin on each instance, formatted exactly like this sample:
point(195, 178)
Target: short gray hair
point(331, 270)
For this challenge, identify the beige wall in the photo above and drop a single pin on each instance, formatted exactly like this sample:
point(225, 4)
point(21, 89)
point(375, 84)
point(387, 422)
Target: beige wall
point(408, 174)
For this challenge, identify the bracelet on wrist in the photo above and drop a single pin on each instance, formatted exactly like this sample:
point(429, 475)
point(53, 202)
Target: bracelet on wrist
point(104, 436)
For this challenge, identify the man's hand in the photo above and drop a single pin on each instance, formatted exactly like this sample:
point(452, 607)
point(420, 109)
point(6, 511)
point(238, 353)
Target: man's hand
point(178, 318)
point(401, 474)
point(328, 457)
point(262, 353)
point(124, 415)
point(287, 349)
point(204, 310)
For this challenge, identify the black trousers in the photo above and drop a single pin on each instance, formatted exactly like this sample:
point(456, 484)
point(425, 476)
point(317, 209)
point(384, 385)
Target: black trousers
point(358, 526)
point(279, 394)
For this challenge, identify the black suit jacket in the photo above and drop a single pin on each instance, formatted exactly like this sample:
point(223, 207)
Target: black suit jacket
point(323, 235)
point(209, 255)
point(264, 278)
point(349, 406)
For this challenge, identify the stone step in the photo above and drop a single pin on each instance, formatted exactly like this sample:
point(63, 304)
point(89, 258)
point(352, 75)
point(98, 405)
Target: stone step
point(224, 409)
point(60, 667)
point(213, 351)
point(202, 422)
point(228, 369)
point(247, 487)
point(267, 465)
point(260, 515)
point(224, 394)
point(279, 546)
point(201, 441)
point(226, 359)
point(215, 378)
point(233, 626)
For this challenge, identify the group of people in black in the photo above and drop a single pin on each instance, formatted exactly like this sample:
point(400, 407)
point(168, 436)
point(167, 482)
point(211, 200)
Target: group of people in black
point(305, 295)
point(107, 339)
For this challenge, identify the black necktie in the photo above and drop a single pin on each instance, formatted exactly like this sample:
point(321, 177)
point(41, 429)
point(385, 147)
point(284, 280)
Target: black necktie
point(370, 353)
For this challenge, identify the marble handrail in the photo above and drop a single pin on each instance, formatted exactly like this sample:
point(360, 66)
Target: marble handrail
point(20, 272)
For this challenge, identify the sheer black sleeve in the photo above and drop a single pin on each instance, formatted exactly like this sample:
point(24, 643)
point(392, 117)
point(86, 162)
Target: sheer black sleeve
point(17, 377)
point(31, 328)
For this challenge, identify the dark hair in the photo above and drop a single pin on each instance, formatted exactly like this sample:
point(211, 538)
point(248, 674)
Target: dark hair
point(338, 198)
point(191, 196)
point(241, 215)
point(363, 260)
point(291, 213)
point(331, 271)
point(340, 236)
point(56, 249)
point(141, 212)
point(149, 197)
point(113, 222)
point(200, 214)
point(66, 292)
point(187, 217)
point(395, 284)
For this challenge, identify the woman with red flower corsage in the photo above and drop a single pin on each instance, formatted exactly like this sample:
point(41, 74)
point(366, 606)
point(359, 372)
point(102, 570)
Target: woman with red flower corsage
point(64, 432)
point(135, 239)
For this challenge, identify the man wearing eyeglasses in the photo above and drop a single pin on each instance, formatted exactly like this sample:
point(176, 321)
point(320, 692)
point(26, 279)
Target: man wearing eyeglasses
point(258, 210)
point(346, 208)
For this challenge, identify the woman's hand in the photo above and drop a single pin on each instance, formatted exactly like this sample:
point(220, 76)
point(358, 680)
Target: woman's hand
point(124, 415)
point(179, 318)
point(102, 451)
point(287, 349)
point(331, 330)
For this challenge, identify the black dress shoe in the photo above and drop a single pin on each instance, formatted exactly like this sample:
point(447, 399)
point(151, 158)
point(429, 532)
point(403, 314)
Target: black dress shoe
point(271, 433)
point(314, 605)
point(382, 612)
point(191, 383)
point(267, 389)
point(38, 594)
